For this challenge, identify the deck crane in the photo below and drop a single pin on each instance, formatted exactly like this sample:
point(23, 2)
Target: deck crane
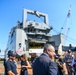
point(65, 27)
point(65, 31)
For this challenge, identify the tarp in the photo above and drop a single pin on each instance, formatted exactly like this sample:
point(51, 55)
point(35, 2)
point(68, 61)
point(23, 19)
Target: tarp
point(60, 49)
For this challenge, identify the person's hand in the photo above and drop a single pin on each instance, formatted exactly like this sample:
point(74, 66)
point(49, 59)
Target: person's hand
point(68, 60)
point(65, 69)
point(75, 63)
point(22, 66)
point(17, 74)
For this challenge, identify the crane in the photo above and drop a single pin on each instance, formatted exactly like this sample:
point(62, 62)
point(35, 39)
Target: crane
point(66, 28)
point(64, 32)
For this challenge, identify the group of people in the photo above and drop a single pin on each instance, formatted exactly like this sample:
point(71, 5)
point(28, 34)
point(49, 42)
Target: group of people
point(45, 64)
point(10, 64)
point(48, 64)
point(70, 60)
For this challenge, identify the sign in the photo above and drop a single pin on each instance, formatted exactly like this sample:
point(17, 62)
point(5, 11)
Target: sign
point(35, 50)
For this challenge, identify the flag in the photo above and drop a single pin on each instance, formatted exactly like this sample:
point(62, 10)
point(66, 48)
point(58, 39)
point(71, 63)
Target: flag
point(19, 50)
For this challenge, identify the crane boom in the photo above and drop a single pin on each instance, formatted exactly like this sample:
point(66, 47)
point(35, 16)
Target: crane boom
point(66, 28)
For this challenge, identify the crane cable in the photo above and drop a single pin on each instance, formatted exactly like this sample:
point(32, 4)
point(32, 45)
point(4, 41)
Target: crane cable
point(66, 37)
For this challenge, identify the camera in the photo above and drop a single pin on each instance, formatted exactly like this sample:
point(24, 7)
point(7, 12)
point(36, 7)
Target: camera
point(59, 58)
point(60, 61)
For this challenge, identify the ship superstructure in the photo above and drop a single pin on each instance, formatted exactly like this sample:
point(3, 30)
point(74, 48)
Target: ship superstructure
point(29, 36)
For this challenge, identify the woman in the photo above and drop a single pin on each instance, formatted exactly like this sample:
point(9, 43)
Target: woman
point(24, 65)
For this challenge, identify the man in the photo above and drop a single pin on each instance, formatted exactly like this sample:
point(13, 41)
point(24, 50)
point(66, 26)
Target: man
point(10, 66)
point(68, 60)
point(5, 60)
point(44, 65)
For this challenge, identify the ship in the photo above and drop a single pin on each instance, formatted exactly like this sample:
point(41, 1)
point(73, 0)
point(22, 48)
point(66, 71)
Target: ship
point(29, 36)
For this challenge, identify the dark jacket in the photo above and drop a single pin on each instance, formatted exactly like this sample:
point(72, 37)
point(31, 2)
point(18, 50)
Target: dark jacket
point(43, 65)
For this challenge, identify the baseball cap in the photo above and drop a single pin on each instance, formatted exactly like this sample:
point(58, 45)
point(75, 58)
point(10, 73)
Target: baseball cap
point(69, 51)
point(10, 53)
